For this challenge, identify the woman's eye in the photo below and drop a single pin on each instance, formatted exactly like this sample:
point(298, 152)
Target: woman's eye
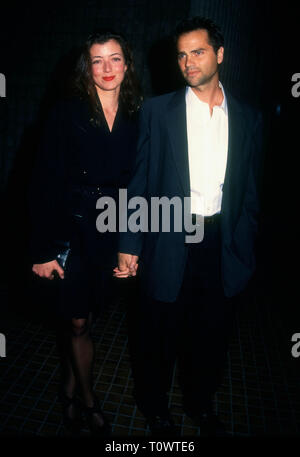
point(116, 59)
point(96, 61)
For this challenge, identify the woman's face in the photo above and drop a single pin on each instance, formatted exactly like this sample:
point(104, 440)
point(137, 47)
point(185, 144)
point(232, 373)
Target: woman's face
point(108, 65)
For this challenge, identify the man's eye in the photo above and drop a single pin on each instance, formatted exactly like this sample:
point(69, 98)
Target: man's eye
point(180, 56)
point(198, 53)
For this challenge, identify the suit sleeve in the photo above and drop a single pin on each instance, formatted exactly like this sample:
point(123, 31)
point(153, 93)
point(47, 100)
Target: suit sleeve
point(130, 242)
point(48, 201)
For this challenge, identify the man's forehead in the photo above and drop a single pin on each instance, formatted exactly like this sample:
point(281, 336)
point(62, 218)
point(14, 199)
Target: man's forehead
point(197, 37)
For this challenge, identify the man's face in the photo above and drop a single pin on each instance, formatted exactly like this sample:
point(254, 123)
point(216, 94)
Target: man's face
point(197, 59)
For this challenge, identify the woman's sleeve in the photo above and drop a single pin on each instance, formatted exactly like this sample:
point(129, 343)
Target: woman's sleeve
point(48, 193)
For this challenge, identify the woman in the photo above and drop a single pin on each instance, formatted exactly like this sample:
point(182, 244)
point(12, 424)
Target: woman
point(88, 150)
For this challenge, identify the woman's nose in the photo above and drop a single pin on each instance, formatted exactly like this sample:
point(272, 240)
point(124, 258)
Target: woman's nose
point(107, 66)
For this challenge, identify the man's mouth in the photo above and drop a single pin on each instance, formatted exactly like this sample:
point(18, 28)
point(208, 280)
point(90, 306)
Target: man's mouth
point(191, 73)
point(108, 78)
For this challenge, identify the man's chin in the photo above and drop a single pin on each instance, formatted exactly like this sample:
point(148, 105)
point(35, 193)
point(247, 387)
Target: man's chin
point(192, 82)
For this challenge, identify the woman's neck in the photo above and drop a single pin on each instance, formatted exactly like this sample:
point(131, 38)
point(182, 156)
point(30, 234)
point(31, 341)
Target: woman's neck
point(109, 100)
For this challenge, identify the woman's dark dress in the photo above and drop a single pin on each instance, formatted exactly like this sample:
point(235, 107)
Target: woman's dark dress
point(78, 163)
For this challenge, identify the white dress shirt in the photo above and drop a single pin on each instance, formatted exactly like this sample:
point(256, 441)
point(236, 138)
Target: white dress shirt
point(207, 151)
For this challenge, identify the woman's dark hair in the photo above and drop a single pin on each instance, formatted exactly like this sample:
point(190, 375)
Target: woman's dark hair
point(215, 37)
point(83, 84)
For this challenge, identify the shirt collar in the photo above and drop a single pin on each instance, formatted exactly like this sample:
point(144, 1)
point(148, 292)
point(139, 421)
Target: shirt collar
point(191, 98)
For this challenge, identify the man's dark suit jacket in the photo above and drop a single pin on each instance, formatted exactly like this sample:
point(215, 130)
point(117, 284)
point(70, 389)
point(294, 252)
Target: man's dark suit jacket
point(162, 170)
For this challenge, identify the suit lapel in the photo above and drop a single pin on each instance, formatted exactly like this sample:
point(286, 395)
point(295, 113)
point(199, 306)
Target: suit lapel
point(176, 125)
point(235, 175)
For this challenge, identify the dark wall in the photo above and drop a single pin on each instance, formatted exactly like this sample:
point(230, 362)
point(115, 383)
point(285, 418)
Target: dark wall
point(246, 26)
point(39, 41)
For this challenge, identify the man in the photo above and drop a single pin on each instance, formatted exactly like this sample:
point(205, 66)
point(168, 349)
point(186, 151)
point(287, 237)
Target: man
point(201, 143)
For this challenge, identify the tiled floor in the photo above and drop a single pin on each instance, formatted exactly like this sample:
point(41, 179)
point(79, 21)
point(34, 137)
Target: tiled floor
point(259, 396)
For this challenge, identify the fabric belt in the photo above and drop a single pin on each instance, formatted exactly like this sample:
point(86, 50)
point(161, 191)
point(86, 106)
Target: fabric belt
point(215, 218)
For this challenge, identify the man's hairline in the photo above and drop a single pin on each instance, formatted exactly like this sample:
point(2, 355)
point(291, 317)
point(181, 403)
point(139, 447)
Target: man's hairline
point(194, 30)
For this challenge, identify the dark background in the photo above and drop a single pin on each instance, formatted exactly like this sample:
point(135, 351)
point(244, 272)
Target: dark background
point(39, 43)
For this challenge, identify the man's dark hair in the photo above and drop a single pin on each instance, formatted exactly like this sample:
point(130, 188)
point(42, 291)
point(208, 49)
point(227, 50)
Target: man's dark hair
point(215, 37)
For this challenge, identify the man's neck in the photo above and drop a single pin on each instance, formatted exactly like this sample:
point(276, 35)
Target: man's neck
point(210, 93)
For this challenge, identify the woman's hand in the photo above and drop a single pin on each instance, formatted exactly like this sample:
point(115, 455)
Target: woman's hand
point(46, 270)
point(127, 265)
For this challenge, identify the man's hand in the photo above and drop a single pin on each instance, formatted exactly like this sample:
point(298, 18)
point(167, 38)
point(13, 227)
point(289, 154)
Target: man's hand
point(45, 270)
point(127, 265)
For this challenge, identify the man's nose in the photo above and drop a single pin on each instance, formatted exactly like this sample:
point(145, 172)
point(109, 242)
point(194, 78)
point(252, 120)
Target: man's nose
point(188, 61)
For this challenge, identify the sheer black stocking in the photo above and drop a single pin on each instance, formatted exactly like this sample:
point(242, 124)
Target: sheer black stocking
point(77, 360)
point(68, 384)
point(82, 361)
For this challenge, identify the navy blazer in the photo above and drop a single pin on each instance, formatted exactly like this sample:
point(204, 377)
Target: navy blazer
point(162, 170)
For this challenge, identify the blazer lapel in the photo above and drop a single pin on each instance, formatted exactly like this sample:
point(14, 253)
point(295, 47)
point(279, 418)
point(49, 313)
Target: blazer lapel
point(176, 125)
point(235, 175)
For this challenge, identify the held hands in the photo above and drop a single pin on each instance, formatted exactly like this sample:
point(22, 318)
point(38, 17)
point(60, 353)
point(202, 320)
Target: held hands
point(46, 270)
point(127, 265)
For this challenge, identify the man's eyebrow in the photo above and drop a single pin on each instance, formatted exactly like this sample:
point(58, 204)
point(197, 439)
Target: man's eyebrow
point(193, 50)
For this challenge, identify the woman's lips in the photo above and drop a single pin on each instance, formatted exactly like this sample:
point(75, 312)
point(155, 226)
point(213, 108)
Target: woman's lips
point(108, 78)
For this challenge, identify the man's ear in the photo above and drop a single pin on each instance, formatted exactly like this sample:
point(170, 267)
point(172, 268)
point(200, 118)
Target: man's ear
point(220, 54)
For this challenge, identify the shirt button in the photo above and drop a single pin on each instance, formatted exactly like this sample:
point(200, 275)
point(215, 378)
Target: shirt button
point(84, 172)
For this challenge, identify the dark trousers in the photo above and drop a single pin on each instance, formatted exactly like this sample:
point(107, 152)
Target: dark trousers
point(194, 329)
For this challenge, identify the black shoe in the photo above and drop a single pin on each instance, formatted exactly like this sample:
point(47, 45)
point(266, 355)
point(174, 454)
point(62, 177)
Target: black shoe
point(161, 425)
point(72, 420)
point(97, 430)
point(209, 423)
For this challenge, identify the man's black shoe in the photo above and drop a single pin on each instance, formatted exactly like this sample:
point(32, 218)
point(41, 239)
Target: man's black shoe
point(161, 426)
point(210, 424)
